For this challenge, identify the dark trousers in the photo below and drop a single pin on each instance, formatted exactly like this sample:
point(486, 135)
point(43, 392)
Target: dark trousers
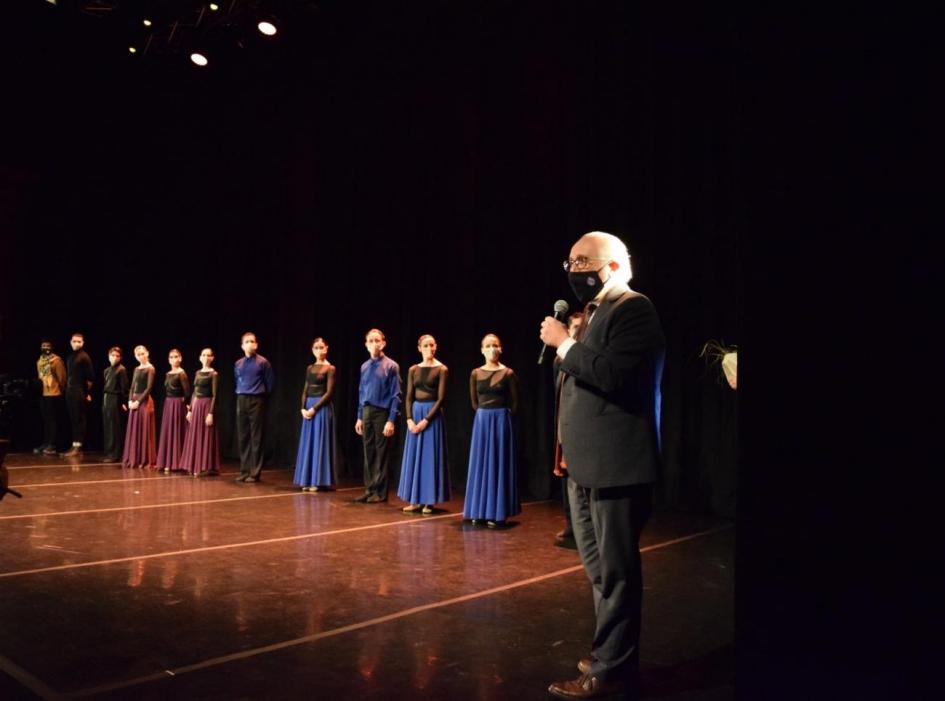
point(51, 408)
point(376, 451)
point(250, 422)
point(77, 406)
point(607, 525)
point(112, 428)
point(565, 502)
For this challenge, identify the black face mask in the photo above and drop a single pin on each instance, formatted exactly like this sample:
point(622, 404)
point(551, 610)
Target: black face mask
point(586, 284)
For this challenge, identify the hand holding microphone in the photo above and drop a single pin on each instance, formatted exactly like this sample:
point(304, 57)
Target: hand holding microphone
point(553, 330)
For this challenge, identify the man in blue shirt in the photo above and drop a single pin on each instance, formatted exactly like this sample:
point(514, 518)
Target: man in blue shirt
point(254, 383)
point(378, 405)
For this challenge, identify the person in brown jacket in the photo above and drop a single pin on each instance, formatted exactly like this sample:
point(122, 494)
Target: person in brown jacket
point(51, 371)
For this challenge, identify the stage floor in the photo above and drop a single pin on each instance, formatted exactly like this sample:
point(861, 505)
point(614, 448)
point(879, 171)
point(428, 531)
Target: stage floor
point(139, 585)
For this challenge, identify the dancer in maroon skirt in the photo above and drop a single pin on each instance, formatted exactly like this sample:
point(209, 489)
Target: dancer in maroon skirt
point(174, 415)
point(140, 448)
point(201, 454)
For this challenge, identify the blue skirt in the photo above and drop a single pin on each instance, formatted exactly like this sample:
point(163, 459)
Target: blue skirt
point(424, 476)
point(492, 486)
point(314, 466)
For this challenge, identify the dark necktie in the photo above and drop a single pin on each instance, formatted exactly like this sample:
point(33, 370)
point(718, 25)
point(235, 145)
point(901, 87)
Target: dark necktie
point(589, 310)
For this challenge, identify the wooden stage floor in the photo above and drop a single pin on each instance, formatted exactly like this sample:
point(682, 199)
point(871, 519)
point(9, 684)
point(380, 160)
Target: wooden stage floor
point(139, 585)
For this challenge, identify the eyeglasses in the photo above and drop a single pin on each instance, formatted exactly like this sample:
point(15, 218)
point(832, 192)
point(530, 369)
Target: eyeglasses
point(579, 263)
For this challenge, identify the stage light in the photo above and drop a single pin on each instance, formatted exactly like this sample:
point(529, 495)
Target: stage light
point(147, 23)
point(132, 50)
point(199, 59)
point(214, 7)
point(267, 28)
point(51, 2)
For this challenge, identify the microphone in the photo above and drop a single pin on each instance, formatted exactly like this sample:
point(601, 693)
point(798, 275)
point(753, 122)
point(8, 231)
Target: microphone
point(561, 308)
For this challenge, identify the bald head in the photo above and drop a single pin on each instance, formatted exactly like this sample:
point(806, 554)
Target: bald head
point(599, 244)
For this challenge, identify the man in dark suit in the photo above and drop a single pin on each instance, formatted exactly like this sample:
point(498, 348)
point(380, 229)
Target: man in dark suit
point(608, 429)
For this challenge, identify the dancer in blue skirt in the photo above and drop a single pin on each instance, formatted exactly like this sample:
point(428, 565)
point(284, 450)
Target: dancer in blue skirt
point(492, 489)
point(315, 464)
point(424, 475)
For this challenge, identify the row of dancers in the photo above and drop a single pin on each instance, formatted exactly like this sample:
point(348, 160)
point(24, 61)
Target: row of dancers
point(188, 440)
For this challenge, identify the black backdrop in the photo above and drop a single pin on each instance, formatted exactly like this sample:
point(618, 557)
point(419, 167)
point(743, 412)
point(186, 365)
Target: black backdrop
point(420, 167)
point(424, 167)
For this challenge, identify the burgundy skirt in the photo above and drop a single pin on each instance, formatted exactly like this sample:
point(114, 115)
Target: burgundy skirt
point(173, 431)
point(201, 452)
point(139, 437)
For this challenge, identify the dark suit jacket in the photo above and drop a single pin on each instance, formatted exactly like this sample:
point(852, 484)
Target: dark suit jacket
point(610, 395)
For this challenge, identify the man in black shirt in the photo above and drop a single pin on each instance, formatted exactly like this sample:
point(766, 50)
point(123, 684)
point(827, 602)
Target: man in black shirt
point(114, 406)
point(78, 392)
point(565, 536)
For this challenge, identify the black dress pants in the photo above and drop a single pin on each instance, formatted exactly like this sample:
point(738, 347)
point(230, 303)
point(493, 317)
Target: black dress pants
point(51, 408)
point(78, 409)
point(250, 423)
point(112, 426)
point(565, 502)
point(376, 451)
point(607, 524)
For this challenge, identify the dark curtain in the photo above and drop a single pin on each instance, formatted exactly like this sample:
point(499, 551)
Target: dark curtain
point(419, 167)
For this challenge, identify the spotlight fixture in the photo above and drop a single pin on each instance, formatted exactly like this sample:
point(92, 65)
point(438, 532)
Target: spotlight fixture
point(214, 7)
point(132, 50)
point(267, 28)
point(147, 23)
point(199, 59)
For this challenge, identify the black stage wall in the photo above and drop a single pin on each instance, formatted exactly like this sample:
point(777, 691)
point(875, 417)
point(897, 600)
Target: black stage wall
point(420, 167)
point(424, 167)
